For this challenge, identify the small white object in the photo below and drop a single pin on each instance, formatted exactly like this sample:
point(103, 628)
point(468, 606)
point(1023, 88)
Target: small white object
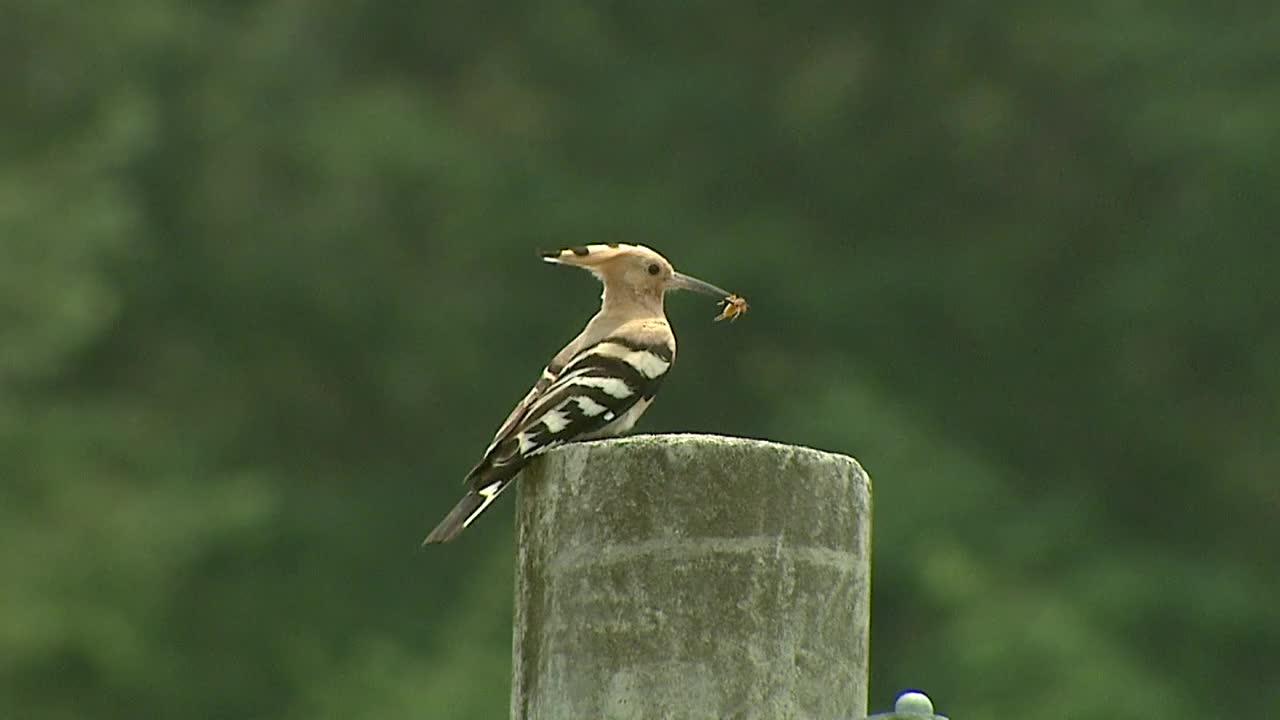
point(913, 703)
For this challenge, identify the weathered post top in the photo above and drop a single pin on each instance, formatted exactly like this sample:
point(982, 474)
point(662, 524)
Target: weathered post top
point(691, 576)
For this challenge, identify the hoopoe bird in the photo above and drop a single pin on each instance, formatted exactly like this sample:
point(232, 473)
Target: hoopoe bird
point(599, 384)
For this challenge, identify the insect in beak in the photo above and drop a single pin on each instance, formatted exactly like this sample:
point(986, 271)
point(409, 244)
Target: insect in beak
point(734, 306)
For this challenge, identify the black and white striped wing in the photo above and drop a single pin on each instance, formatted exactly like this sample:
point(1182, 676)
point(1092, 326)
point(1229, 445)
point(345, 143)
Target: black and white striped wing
point(549, 374)
point(601, 391)
point(598, 390)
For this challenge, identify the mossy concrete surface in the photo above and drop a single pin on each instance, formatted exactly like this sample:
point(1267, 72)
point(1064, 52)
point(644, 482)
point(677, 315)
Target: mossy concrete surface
point(691, 576)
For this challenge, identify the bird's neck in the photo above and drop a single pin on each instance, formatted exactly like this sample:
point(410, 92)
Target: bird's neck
point(622, 302)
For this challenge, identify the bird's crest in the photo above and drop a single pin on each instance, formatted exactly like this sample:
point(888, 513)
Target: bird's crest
point(594, 255)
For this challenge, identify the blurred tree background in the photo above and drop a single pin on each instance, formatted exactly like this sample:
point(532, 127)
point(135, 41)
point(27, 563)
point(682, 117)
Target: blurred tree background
point(268, 283)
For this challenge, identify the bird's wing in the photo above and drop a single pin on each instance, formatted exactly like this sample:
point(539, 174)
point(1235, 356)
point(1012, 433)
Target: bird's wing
point(549, 374)
point(596, 386)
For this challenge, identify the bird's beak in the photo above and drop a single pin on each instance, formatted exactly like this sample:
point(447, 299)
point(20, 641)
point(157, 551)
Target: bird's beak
point(680, 281)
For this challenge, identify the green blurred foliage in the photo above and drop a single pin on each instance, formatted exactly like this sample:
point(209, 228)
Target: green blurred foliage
point(268, 283)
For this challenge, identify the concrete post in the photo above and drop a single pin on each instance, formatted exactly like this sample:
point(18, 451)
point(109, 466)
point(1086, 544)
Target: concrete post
point(691, 576)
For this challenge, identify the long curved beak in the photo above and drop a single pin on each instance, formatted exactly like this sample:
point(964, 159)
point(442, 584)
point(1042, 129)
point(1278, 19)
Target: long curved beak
point(680, 281)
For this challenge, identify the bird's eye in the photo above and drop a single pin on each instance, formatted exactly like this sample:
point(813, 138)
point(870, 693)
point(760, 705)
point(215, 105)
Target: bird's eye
point(653, 269)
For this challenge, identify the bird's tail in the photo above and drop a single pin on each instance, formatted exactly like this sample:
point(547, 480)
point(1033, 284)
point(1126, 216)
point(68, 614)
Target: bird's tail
point(476, 501)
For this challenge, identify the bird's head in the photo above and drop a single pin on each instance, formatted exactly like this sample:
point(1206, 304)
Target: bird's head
point(631, 273)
